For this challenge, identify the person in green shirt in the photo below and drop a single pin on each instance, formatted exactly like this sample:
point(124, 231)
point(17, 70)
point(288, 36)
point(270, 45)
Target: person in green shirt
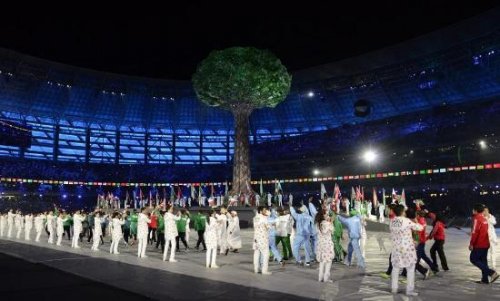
point(337, 237)
point(67, 224)
point(126, 226)
point(161, 231)
point(133, 225)
point(200, 220)
point(181, 229)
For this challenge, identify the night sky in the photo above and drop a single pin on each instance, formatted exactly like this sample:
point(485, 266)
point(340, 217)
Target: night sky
point(170, 43)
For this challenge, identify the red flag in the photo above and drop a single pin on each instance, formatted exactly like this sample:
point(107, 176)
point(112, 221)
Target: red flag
point(179, 193)
point(213, 190)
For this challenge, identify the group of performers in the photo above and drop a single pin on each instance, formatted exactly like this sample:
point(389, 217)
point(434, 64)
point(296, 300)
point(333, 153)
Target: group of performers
point(313, 231)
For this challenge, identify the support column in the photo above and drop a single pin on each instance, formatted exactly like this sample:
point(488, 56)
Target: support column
point(146, 148)
point(55, 153)
point(117, 147)
point(87, 146)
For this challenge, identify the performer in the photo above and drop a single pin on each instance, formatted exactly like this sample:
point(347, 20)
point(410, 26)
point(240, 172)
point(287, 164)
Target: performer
point(403, 253)
point(188, 228)
point(337, 234)
point(422, 237)
point(381, 209)
point(353, 224)
point(10, 222)
point(28, 225)
point(39, 220)
point(50, 226)
point(438, 234)
point(479, 244)
point(116, 232)
point(303, 224)
point(200, 221)
point(233, 229)
point(283, 234)
point(3, 224)
point(170, 232)
point(280, 199)
point(134, 217)
point(211, 239)
point(492, 235)
point(142, 232)
point(261, 241)
point(257, 200)
point(18, 221)
point(290, 199)
point(324, 250)
point(77, 228)
point(61, 218)
point(222, 232)
point(269, 199)
point(273, 221)
point(181, 224)
point(97, 232)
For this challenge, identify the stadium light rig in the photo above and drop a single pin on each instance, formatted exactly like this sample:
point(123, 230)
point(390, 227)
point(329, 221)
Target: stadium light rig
point(482, 144)
point(315, 172)
point(369, 156)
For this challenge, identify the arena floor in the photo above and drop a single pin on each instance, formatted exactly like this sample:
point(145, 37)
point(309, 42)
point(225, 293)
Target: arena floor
point(46, 268)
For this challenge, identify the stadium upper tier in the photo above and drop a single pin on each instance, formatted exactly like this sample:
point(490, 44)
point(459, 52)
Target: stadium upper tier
point(79, 114)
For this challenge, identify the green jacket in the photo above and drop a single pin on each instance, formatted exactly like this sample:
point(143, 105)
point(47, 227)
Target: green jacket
point(161, 224)
point(181, 224)
point(68, 222)
point(337, 227)
point(200, 221)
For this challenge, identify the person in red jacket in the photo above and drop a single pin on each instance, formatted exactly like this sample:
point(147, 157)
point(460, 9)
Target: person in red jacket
point(479, 245)
point(421, 242)
point(438, 235)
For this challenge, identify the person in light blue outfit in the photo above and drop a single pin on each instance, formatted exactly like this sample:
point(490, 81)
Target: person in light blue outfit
point(314, 234)
point(303, 229)
point(353, 225)
point(273, 220)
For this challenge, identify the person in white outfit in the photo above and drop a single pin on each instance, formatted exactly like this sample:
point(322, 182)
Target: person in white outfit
point(261, 241)
point(290, 198)
point(269, 199)
point(18, 222)
point(39, 221)
point(142, 232)
point(3, 224)
point(60, 227)
point(10, 222)
point(257, 199)
point(28, 225)
point(233, 230)
point(170, 232)
point(324, 248)
point(50, 226)
point(222, 233)
point(97, 232)
point(188, 229)
point(211, 239)
point(77, 228)
point(381, 213)
point(404, 254)
point(492, 221)
point(280, 199)
point(116, 232)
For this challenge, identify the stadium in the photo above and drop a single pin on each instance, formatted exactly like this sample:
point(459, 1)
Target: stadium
point(416, 121)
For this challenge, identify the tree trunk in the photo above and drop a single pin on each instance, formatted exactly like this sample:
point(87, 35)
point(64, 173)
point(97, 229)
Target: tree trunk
point(241, 159)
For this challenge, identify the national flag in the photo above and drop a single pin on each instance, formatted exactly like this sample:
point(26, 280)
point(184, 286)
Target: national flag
point(193, 192)
point(323, 190)
point(353, 195)
point(226, 188)
point(261, 188)
point(150, 198)
point(375, 198)
point(403, 198)
point(212, 190)
point(394, 196)
point(179, 193)
point(172, 194)
point(383, 196)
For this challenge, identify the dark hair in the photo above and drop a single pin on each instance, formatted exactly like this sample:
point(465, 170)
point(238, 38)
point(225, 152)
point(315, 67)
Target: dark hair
point(398, 210)
point(479, 208)
point(210, 212)
point(421, 213)
point(260, 208)
point(116, 214)
point(439, 218)
point(319, 217)
point(143, 209)
point(410, 213)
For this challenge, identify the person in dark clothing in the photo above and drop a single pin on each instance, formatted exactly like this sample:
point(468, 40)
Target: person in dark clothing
point(200, 221)
point(438, 234)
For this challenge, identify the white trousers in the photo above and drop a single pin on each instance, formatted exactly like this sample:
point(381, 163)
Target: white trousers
point(59, 238)
point(9, 231)
point(211, 257)
point(492, 254)
point(38, 234)
point(141, 247)
point(51, 236)
point(362, 245)
point(2, 230)
point(115, 241)
point(19, 230)
point(324, 271)
point(169, 241)
point(96, 239)
point(27, 232)
point(257, 254)
point(187, 235)
point(76, 237)
point(410, 278)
